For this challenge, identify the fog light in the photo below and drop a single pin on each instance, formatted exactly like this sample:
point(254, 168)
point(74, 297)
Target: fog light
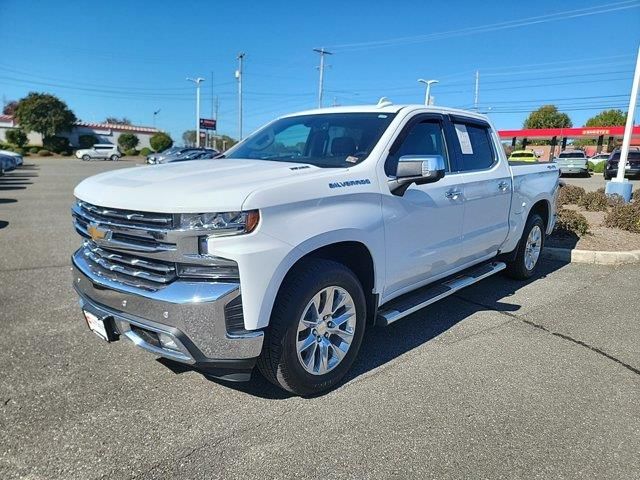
point(168, 342)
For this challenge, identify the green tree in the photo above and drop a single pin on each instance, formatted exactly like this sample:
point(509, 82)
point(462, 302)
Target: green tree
point(45, 114)
point(225, 142)
point(87, 141)
point(17, 137)
point(189, 138)
point(160, 141)
point(607, 118)
point(128, 141)
point(118, 121)
point(547, 116)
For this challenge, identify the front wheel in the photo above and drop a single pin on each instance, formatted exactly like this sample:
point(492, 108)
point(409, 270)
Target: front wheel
point(86, 158)
point(529, 249)
point(115, 158)
point(316, 328)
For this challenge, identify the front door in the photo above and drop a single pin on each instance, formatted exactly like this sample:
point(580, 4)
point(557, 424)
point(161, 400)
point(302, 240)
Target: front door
point(423, 227)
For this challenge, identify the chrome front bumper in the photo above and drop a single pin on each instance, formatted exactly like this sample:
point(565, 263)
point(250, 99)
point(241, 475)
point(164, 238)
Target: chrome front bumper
point(191, 312)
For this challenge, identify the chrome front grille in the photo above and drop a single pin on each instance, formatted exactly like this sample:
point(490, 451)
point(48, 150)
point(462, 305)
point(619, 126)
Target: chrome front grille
point(128, 269)
point(127, 217)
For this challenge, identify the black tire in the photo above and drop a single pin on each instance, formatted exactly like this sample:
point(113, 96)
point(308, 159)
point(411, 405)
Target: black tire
point(517, 268)
point(86, 158)
point(279, 361)
point(115, 158)
point(604, 174)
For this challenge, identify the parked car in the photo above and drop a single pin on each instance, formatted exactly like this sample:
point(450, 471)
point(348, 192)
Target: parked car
point(632, 168)
point(573, 162)
point(7, 163)
point(523, 156)
point(100, 151)
point(283, 250)
point(599, 157)
point(199, 154)
point(170, 152)
point(17, 156)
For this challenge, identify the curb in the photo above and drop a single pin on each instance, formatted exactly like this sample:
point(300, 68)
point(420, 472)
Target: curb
point(591, 256)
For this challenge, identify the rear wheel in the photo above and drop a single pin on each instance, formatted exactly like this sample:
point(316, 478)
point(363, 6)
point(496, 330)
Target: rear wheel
point(529, 249)
point(86, 158)
point(115, 158)
point(316, 328)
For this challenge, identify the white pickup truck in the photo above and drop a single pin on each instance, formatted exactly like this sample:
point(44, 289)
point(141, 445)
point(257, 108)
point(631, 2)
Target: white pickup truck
point(320, 224)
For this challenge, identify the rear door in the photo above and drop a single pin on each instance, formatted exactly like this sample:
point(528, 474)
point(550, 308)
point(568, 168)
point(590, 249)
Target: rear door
point(487, 188)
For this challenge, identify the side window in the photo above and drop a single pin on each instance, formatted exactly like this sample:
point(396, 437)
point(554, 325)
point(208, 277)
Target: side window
point(475, 146)
point(424, 138)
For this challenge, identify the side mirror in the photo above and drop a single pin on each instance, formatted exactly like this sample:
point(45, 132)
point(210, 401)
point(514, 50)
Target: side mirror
point(418, 169)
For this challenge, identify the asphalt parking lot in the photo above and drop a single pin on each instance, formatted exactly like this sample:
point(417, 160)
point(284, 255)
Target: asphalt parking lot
point(505, 380)
point(594, 181)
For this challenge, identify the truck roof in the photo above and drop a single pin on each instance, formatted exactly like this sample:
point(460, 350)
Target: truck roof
point(388, 107)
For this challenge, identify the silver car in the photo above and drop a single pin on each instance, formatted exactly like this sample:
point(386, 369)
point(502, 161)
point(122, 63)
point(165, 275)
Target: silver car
point(100, 151)
point(573, 162)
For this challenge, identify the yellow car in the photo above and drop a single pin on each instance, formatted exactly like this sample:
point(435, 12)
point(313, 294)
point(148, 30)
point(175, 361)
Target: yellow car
point(523, 156)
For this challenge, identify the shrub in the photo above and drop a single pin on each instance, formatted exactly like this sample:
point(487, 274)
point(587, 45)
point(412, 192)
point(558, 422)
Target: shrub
point(87, 141)
point(44, 153)
point(590, 166)
point(128, 141)
point(570, 194)
point(16, 137)
point(624, 217)
point(56, 144)
point(145, 151)
point(20, 151)
point(132, 152)
point(66, 153)
point(594, 201)
point(34, 149)
point(572, 221)
point(599, 167)
point(161, 141)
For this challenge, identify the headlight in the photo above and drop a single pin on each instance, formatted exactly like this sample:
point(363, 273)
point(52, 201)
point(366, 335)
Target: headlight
point(220, 224)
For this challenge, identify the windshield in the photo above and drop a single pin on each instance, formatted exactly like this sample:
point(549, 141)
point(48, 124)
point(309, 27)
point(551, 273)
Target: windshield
point(326, 140)
point(633, 155)
point(572, 155)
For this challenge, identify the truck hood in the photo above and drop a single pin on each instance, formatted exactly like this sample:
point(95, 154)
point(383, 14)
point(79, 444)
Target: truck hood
point(195, 186)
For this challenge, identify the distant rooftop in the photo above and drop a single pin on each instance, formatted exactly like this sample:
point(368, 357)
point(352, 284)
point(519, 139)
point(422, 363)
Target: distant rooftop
point(96, 125)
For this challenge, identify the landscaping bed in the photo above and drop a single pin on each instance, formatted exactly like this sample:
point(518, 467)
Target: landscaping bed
point(593, 221)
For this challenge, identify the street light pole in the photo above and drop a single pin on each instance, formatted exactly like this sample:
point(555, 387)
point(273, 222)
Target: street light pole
point(155, 112)
point(197, 82)
point(427, 95)
point(618, 185)
point(239, 77)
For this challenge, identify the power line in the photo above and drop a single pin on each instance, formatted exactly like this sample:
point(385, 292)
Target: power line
point(552, 17)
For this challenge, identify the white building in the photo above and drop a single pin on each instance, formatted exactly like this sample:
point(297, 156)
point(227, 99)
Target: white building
point(104, 132)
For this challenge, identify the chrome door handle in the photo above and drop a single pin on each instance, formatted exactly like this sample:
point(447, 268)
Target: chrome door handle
point(503, 186)
point(453, 194)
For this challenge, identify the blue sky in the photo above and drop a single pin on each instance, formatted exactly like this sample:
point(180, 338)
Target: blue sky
point(129, 58)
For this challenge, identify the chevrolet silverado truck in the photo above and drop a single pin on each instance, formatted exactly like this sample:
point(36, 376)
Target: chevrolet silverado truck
point(320, 224)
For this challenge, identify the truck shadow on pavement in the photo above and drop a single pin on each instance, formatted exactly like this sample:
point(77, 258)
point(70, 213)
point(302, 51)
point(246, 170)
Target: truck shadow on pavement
point(17, 179)
point(382, 345)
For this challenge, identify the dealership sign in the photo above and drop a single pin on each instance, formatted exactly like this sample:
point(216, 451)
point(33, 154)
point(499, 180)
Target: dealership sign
point(207, 124)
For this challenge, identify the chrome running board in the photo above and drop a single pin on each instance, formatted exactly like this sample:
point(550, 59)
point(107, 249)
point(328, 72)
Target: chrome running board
point(418, 299)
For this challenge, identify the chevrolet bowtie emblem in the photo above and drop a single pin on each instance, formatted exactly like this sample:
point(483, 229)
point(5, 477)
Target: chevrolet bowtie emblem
point(97, 233)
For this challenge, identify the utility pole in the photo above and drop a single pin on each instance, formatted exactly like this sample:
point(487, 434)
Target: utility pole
point(239, 77)
point(620, 185)
point(215, 132)
point(322, 53)
point(477, 91)
point(197, 82)
point(208, 134)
